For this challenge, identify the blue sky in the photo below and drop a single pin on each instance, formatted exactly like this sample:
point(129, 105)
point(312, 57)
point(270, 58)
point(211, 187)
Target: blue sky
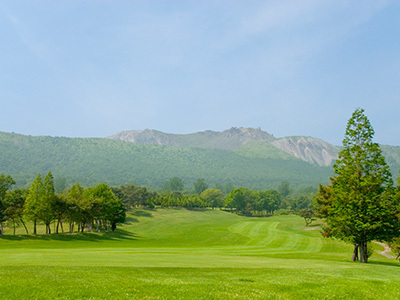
point(94, 68)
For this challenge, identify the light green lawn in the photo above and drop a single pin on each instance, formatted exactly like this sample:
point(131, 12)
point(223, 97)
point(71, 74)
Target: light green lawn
point(182, 254)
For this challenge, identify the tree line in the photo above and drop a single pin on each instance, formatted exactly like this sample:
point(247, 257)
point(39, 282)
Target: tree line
point(102, 208)
point(94, 208)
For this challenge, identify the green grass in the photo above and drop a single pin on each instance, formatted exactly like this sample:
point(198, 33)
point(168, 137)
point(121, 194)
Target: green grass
point(182, 254)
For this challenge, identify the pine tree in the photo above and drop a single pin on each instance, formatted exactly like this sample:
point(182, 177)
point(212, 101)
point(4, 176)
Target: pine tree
point(364, 207)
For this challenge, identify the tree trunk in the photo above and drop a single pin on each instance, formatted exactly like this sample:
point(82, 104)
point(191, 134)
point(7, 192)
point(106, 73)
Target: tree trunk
point(1, 228)
point(113, 226)
point(23, 223)
point(355, 253)
point(34, 227)
point(14, 225)
point(363, 252)
point(58, 223)
point(62, 228)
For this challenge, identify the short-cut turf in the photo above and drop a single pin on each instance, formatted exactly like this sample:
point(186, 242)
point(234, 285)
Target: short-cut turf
point(183, 254)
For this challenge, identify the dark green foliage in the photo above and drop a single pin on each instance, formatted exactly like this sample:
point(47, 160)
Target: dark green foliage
point(174, 184)
point(5, 184)
point(213, 198)
point(104, 207)
point(284, 189)
point(307, 214)
point(323, 201)
point(178, 199)
point(133, 196)
point(200, 186)
point(225, 188)
point(14, 207)
point(364, 207)
point(249, 202)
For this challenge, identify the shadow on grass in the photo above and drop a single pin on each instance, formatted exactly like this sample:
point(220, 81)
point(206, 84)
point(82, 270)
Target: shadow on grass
point(142, 213)
point(394, 263)
point(116, 235)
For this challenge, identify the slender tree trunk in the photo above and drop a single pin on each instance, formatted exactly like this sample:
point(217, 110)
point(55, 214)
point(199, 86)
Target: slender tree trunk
point(1, 228)
point(62, 228)
point(58, 223)
point(355, 253)
point(34, 227)
point(14, 225)
point(23, 223)
point(363, 252)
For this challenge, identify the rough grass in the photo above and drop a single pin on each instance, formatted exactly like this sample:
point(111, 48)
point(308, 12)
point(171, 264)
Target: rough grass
point(181, 254)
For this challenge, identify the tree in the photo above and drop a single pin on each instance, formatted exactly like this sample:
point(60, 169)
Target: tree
point(307, 214)
point(15, 201)
point(213, 198)
point(39, 204)
point(32, 201)
point(106, 207)
point(174, 184)
point(46, 205)
point(323, 200)
point(5, 184)
point(239, 198)
point(132, 195)
point(200, 186)
point(74, 202)
point(364, 207)
point(268, 201)
point(284, 189)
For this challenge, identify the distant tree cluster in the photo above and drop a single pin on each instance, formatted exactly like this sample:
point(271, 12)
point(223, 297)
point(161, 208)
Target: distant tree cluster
point(95, 208)
point(249, 203)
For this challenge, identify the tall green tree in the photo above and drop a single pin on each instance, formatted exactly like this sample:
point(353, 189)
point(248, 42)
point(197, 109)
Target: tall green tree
point(39, 204)
point(32, 201)
point(364, 207)
point(15, 201)
point(74, 202)
point(200, 186)
point(5, 184)
point(47, 204)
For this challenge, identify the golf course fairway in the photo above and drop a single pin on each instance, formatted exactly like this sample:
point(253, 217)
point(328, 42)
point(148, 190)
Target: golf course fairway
point(184, 254)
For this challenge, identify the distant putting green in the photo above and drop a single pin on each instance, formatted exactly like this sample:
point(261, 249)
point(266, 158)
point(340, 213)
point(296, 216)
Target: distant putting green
point(182, 254)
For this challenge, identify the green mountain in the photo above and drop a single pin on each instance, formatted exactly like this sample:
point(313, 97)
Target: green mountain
point(94, 160)
point(241, 156)
point(309, 149)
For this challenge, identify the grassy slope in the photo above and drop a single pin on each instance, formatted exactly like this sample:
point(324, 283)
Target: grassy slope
point(165, 254)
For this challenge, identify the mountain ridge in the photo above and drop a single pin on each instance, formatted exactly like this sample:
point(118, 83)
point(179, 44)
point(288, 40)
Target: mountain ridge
point(309, 149)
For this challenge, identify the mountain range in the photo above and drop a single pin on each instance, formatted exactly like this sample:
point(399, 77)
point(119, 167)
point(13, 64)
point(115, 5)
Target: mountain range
point(246, 157)
point(308, 149)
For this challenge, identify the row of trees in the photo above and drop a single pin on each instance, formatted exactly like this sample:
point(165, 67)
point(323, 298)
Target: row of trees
point(361, 204)
point(242, 200)
point(94, 208)
point(102, 208)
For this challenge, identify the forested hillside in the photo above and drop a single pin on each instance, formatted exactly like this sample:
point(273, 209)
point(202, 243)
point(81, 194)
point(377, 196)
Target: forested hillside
point(94, 160)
